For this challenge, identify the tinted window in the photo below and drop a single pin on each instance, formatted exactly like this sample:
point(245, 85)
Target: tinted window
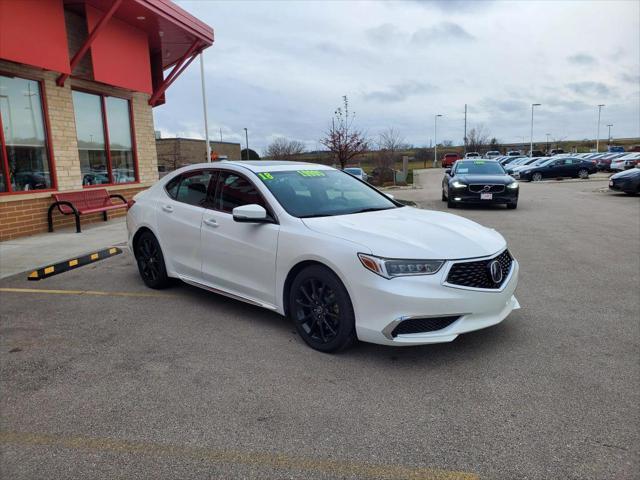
point(479, 167)
point(190, 188)
point(312, 193)
point(235, 191)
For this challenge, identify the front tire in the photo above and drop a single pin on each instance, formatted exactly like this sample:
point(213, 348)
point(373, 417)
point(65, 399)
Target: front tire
point(512, 206)
point(444, 197)
point(151, 261)
point(321, 310)
point(536, 177)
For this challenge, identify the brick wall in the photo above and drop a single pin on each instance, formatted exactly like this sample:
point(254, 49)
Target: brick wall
point(177, 152)
point(26, 214)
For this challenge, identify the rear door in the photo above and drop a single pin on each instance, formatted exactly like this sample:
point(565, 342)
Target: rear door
point(239, 258)
point(179, 219)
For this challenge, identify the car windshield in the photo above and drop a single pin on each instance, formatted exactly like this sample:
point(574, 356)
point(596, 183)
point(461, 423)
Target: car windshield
point(479, 167)
point(353, 171)
point(321, 193)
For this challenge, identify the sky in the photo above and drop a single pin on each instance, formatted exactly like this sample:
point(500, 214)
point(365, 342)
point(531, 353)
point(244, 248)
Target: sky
point(281, 69)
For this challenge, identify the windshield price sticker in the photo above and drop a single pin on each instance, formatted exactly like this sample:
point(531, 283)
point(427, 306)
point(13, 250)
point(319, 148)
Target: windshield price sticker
point(463, 170)
point(265, 176)
point(311, 173)
point(479, 162)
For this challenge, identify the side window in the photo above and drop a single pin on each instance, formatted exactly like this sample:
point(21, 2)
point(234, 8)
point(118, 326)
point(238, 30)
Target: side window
point(193, 187)
point(172, 186)
point(234, 191)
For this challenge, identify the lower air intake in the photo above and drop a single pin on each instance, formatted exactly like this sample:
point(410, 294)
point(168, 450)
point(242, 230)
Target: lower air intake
point(422, 325)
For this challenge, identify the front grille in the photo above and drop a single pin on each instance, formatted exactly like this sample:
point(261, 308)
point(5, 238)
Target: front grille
point(477, 275)
point(481, 188)
point(421, 325)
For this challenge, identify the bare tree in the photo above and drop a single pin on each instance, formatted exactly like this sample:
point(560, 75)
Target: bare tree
point(447, 143)
point(389, 146)
point(477, 138)
point(344, 140)
point(283, 149)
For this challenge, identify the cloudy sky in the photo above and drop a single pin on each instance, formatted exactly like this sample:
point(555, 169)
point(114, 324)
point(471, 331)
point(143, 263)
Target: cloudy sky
point(280, 69)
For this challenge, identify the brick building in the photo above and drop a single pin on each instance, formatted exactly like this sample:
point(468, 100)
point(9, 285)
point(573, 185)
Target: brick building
point(78, 81)
point(177, 152)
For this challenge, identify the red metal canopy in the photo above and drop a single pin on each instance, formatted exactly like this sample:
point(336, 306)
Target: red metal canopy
point(174, 36)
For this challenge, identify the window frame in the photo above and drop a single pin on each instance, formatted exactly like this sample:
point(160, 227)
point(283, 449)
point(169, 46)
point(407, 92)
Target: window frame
point(105, 127)
point(4, 165)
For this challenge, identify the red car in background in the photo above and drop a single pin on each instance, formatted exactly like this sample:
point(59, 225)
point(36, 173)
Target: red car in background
point(449, 159)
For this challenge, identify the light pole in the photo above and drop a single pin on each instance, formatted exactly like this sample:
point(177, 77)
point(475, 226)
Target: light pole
point(598, 134)
point(204, 108)
point(610, 125)
point(435, 140)
point(548, 135)
point(531, 140)
point(246, 136)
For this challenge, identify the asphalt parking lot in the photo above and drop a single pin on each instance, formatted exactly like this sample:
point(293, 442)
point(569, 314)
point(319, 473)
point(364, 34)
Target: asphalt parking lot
point(103, 378)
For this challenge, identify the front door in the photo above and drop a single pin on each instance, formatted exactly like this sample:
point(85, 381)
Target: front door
point(239, 258)
point(180, 218)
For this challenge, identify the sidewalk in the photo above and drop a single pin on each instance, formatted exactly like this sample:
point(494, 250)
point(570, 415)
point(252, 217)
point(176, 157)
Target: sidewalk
point(28, 253)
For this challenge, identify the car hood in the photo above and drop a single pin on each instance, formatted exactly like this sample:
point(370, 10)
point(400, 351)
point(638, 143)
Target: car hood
point(484, 179)
point(409, 232)
point(627, 173)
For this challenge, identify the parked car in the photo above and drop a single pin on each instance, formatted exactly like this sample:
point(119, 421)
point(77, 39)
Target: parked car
point(479, 182)
point(627, 181)
point(514, 153)
point(536, 153)
point(472, 155)
point(604, 163)
point(341, 259)
point(492, 154)
point(536, 161)
point(557, 168)
point(625, 162)
point(507, 160)
point(449, 159)
point(521, 163)
point(615, 149)
point(357, 172)
point(555, 151)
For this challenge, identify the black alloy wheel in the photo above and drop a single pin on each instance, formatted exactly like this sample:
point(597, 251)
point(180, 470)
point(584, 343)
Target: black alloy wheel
point(321, 309)
point(151, 261)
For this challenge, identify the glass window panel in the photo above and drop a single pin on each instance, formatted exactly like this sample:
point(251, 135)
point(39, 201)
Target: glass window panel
point(3, 182)
point(193, 188)
point(90, 131)
point(24, 134)
point(235, 191)
point(120, 140)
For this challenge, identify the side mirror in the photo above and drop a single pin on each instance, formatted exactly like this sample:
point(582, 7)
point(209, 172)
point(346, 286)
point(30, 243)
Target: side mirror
point(252, 213)
point(389, 195)
point(448, 171)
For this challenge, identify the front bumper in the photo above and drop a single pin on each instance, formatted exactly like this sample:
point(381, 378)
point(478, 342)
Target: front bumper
point(467, 197)
point(380, 304)
point(624, 185)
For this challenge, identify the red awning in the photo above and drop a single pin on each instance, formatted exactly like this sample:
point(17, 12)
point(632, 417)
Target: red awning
point(170, 29)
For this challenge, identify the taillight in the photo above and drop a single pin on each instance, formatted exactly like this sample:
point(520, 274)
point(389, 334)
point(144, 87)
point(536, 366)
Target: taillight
point(130, 204)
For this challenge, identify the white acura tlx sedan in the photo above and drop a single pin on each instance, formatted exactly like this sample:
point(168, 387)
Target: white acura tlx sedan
point(341, 259)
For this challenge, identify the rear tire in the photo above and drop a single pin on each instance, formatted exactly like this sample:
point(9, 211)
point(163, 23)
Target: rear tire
point(321, 310)
point(151, 261)
point(583, 173)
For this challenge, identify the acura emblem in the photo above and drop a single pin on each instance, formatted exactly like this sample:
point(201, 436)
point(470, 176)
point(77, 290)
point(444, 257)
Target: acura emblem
point(495, 270)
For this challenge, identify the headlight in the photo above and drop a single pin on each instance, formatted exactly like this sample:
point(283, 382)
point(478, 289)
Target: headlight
point(457, 184)
point(513, 185)
point(393, 267)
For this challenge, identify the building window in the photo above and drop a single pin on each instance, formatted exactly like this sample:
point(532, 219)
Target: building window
point(24, 148)
point(105, 139)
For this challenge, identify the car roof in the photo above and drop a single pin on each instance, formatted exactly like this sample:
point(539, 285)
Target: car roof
point(257, 166)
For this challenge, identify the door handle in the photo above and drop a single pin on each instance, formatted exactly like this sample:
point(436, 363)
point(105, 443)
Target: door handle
point(211, 222)
point(167, 208)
